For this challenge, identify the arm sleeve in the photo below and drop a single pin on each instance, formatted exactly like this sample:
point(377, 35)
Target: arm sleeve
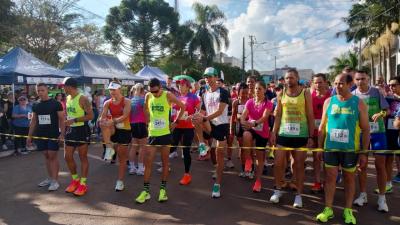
point(224, 96)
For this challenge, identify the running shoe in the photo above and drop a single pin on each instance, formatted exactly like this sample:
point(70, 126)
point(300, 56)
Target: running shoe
point(186, 179)
point(82, 189)
point(271, 155)
point(140, 171)
point(133, 170)
point(339, 177)
point(326, 215)
point(72, 186)
point(298, 202)
point(242, 174)
point(250, 175)
point(276, 196)
point(361, 200)
point(382, 205)
point(257, 186)
point(143, 196)
point(348, 216)
point(247, 165)
point(162, 196)
point(109, 153)
point(54, 185)
point(173, 155)
point(389, 189)
point(396, 179)
point(229, 164)
point(204, 158)
point(119, 186)
point(203, 149)
point(161, 169)
point(45, 182)
point(4, 147)
point(216, 193)
point(317, 187)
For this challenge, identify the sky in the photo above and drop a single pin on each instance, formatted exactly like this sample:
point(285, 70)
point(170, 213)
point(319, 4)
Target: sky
point(299, 33)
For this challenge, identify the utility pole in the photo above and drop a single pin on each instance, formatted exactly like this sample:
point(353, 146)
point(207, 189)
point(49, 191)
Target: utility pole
point(252, 53)
point(176, 6)
point(243, 60)
point(275, 73)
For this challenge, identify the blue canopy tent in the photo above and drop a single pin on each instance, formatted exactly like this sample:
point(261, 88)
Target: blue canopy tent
point(21, 67)
point(148, 72)
point(100, 69)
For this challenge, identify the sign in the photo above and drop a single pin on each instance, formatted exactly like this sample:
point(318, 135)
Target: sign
point(46, 80)
point(100, 81)
point(20, 79)
point(128, 82)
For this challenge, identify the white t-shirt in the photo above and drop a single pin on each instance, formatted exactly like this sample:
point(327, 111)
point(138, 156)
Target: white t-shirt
point(211, 102)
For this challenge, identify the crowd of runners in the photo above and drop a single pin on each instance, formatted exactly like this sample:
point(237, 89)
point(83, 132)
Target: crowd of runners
point(344, 120)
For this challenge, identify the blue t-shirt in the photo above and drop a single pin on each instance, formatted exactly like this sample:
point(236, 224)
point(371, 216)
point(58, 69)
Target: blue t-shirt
point(21, 122)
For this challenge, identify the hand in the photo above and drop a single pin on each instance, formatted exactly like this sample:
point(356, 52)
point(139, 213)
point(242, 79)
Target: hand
point(29, 141)
point(69, 122)
point(197, 118)
point(61, 138)
point(247, 125)
point(362, 162)
point(376, 116)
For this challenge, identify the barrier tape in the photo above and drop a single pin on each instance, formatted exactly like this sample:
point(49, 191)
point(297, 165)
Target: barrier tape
point(273, 148)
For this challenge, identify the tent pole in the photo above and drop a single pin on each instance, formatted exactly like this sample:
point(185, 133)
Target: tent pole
point(13, 91)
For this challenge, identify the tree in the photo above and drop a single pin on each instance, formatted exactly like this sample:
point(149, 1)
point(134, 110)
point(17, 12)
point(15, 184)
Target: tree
point(141, 27)
point(88, 38)
point(209, 32)
point(7, 21)
point(339, 63)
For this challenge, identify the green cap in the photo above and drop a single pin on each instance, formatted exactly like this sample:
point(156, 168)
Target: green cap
point(210, 71)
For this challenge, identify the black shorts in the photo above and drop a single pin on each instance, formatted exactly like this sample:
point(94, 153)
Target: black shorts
point(77, 136)
point(47, 145)
point(260, 141)
point(292, 142)
point(139, 130)
point(348, 160)
point(220, 132)
point(392, 137)
point(160, 140)
point(121, 136)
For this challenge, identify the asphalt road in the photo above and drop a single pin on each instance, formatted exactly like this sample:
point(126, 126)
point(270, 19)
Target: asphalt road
point(22, 202)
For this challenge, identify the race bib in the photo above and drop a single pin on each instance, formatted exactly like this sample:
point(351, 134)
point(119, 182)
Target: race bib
point(160, 124)
point(119, 125)
point(292, 128)
point(317, 123)
point(240, 109)
point(44, 119)
point(259, 127)
point(339, 135)
point(390, 124)
point(374, 127)
point(185, 116)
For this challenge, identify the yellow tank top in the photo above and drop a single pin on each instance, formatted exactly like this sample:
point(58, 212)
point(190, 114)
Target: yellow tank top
point(74, 109)
point(159, 115)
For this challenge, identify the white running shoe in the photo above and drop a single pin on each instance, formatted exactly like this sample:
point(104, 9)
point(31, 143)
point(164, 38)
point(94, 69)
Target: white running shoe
point(140, 171)
point(160, 169)
point(229, 164)
point(54, 185)
point(242, 174)
point(361, 200)
point(109, 154)
point(203, 149)
point(173, 155)
point(298, 202)
point(133, 170)
point(119, 186)
point(275, 197)
point(4, 147)
point(45, 182)
point(382, 206)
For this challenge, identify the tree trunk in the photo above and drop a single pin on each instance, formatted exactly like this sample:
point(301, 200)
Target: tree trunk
point(380, 63)
point(373, 75)
point(384, 64)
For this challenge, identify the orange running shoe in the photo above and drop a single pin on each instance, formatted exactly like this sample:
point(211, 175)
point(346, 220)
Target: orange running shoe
point(248, 164)
point(186, 179)
point(82, 189)
point(257, 186)
point(317, 187)
point(72, 186)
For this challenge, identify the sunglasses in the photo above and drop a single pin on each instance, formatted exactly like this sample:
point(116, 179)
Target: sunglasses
point(155, 92)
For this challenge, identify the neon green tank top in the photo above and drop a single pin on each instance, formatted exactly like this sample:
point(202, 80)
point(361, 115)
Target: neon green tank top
point(74, 110)
point(159, 115)
point(294, 120)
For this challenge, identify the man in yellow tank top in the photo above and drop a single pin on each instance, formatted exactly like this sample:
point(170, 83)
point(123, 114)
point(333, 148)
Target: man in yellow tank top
point(79, 111)
point(293, 128)
point(157, 107)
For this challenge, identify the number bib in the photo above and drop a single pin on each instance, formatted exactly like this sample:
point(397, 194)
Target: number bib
point(374, 127)
point(390, 124)
point(185, 116)
point(339, 135)
point(259, 127)
point(317, 123)
point(240, 109)
point(292, 128)
point(44, 119)
point(160, 124)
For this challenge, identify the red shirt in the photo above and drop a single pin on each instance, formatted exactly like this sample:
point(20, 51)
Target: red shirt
point(318, 106)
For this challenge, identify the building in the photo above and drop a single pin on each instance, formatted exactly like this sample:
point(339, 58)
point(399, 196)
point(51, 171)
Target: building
point(305, 74)
point(230, 60)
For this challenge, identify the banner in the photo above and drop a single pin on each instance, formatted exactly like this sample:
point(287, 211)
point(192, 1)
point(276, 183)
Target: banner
point(100, 81)
point(46, 80)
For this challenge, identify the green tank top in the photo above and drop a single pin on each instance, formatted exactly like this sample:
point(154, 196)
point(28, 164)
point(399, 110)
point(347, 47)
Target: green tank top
point(294, 119)
point(342, 127)
point(74, 110)
point(159, 115)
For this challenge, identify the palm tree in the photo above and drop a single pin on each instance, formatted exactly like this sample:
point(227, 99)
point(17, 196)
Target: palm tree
point(339, 63)
point(209, 32)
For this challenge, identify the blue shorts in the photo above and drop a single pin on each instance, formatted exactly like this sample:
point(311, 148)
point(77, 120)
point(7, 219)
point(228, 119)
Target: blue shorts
point(378, 142)
point(47, 145)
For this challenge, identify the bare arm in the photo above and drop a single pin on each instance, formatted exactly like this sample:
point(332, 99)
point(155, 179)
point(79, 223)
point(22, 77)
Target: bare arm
point(322, 126)
point(309, 113)
point(278, 115)
point(221, 108)
point(61, 122)
point(146, 107)
point(173, 100)
point(125, 113)
point(87, 107)
point(105, 110)
point(32, 125)
point(364, 124)
point(234, 115)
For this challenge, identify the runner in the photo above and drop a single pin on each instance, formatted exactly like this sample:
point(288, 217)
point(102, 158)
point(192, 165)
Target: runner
point(256, 128)
point(377, 109)
point(215, 121)
point(157, 109)
point(47, 122)
point(342, 118)
point(318, 96)
point(184, 130)
point(79, 112)
point(293, 128)
point(251, 81)
point(116, 128)
point(139, 130)
point(235, 126)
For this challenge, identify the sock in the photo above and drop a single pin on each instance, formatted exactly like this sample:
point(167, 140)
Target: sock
point(132, 164)
point(140, 165)
point(146, 187)
point(163, 184)
point(381, 197)
point(83, 180)
point(74, 176)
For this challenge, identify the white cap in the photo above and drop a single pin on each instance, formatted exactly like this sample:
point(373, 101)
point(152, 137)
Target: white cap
point(113, 86)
